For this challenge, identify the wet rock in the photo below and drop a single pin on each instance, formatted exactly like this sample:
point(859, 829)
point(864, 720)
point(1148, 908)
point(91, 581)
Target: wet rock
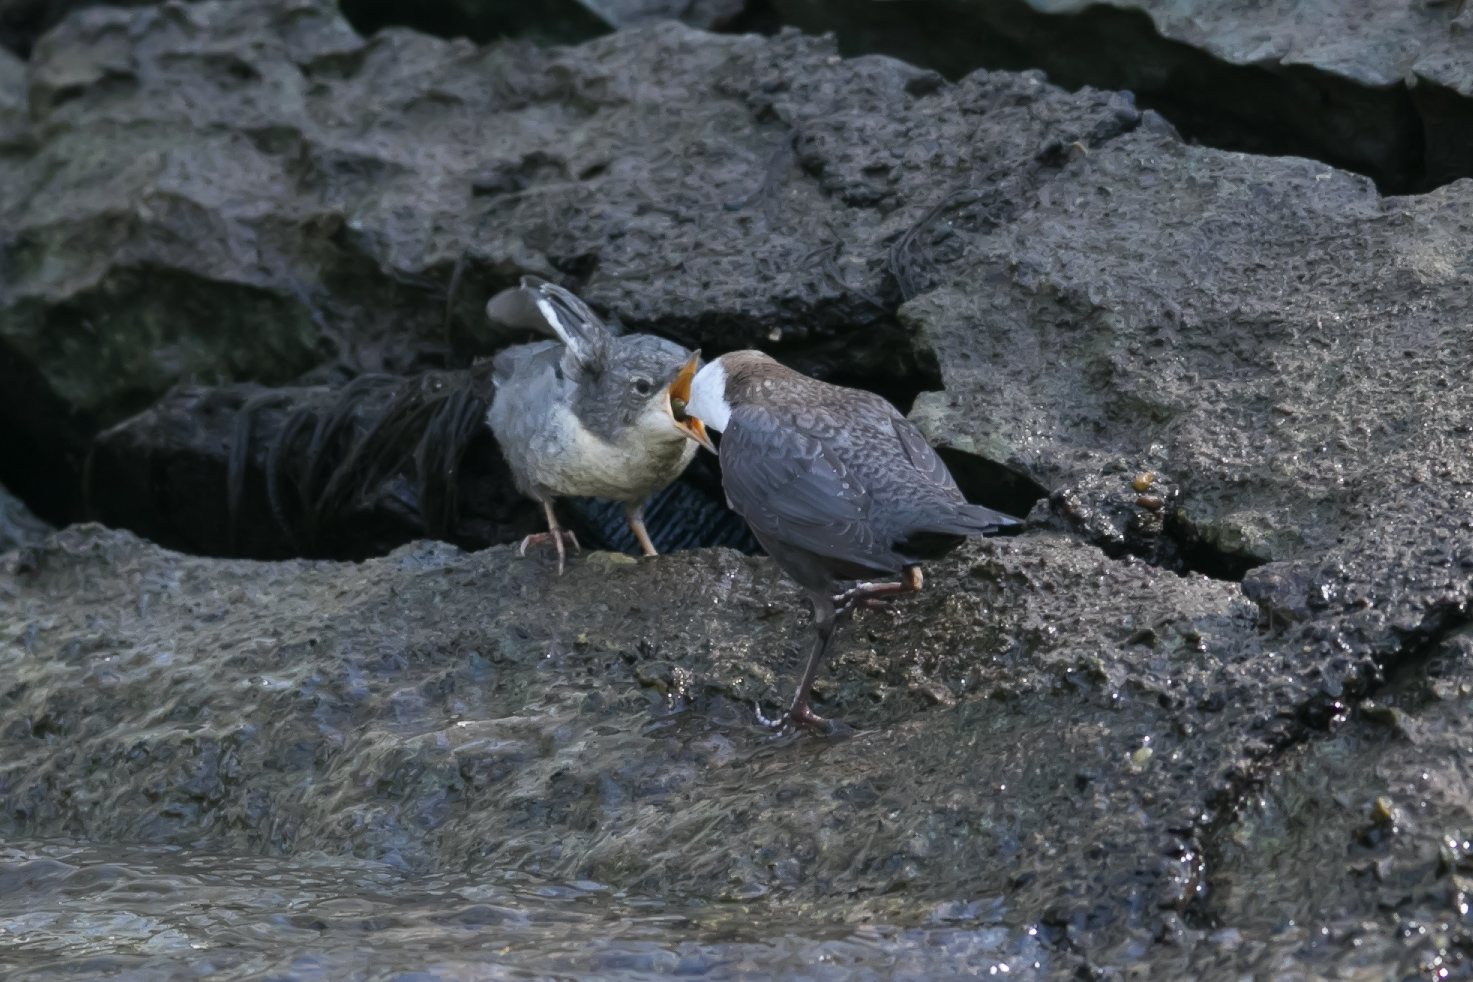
point(18, 527)
point(444, 709)
point(1384, 817)
point(1378, 86)
point(1277, 344)
point(1059, 731)
point(223, 191)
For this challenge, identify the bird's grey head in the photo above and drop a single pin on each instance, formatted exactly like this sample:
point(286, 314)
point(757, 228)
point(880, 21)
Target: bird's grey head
point(621, 381)
point(634, 382)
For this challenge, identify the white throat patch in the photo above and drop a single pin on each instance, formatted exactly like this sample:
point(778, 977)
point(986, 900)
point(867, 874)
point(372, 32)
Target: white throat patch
point(708, 397)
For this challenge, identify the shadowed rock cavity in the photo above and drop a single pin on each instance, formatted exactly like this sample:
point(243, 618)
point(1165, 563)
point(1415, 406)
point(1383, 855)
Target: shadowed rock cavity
point(353, 470)
point(1381, 87)
point(546, 22)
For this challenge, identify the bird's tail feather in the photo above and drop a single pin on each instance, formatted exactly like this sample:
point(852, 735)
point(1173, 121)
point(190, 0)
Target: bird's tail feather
point(547, 307)
point(939, 536)
point(991, 517)
point(970, 519)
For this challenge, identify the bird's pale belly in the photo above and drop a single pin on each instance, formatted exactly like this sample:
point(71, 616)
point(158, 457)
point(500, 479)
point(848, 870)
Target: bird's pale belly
point(591, 467)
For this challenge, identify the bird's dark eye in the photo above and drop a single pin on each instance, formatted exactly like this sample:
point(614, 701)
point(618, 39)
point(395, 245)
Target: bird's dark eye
point(642, 386)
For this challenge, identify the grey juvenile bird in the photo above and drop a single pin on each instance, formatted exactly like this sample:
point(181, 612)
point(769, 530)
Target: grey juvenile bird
point(835, 483)
point(587, 415)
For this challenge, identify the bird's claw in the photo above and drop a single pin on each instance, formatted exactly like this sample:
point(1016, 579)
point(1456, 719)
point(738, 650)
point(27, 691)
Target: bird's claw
point(556, 538)
point(877, 596)
point(538, 538)
point(799, 718)
point(844, 604)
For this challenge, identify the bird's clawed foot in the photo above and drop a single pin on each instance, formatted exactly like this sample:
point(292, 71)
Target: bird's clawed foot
point(802, 717)
point(556, 537)
point(878, 594)
point(872, 595)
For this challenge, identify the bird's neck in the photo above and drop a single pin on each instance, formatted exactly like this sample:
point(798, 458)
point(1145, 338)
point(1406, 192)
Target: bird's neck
point(708, 401)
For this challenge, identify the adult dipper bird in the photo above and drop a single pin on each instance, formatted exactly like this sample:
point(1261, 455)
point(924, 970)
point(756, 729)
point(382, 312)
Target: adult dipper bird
point(835, 483)
point(588, 414)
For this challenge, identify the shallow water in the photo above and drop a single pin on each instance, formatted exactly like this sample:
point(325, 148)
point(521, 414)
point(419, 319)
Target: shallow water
point(147, 912)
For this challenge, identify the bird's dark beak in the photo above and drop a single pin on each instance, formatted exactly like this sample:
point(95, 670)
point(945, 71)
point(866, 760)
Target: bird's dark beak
point(676, 398)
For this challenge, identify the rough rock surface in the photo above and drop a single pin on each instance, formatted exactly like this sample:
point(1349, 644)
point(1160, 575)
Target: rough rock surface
point(1383, 87)
point(438, 709)
point(1278, 345)
point(18, 527)
point(1373, 42)
point(1410, 847)
point(226, 190)
point(1047, 739)
point(1217, 362)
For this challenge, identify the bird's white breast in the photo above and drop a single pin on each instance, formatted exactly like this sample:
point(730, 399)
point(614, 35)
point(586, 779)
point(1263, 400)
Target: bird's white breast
point(575, 461)
point(708, 397)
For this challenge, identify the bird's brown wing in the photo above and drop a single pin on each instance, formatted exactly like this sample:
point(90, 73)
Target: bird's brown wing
point(789, 486)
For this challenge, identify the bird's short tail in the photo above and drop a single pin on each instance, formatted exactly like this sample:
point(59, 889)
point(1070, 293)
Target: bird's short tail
point(977, 520)
point(939, 536)
point(547, 307)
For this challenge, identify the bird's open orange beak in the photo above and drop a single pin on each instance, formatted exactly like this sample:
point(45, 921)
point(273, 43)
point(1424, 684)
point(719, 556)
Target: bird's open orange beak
point(676, 398)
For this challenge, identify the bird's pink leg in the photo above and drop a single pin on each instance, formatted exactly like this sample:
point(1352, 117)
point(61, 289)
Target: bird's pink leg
point(876, 594)
point(635, 514)
point(556, 535)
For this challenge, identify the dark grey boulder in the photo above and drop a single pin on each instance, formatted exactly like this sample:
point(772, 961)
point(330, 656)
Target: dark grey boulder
point(1279, 346)
point(1203, 361)
point(241, 191)
point(1381, 87)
